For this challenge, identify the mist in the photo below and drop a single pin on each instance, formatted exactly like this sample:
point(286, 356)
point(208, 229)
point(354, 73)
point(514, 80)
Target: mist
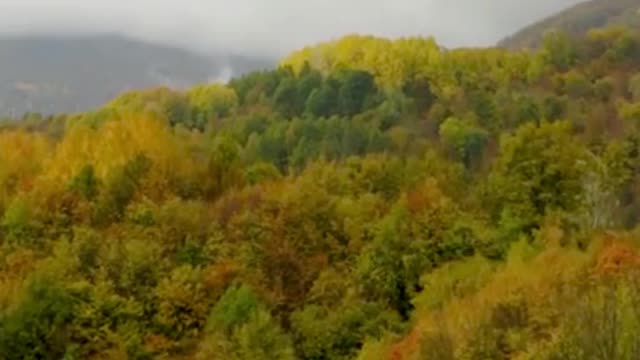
point(274, 27)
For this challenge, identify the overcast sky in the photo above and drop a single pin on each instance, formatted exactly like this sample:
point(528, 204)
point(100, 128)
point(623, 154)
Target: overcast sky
point(276, 26)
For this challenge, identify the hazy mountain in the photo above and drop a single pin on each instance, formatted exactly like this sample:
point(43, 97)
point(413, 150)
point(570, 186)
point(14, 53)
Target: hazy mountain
point(578, 19)
point(50, 74)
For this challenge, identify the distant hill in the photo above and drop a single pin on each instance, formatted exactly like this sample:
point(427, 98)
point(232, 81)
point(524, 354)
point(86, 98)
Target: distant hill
point(49, 74)
point(579, 19)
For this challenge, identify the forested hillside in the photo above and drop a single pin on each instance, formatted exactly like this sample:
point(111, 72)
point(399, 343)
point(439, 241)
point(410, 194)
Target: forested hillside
point(53, 74)
point(368, 199)
point(577, 20)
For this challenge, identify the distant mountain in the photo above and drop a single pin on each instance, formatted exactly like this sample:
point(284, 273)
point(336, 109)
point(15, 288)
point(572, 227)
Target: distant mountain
point(579, 19)
point(50, 74)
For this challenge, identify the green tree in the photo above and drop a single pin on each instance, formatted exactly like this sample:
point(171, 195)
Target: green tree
point(423, 231)
point(466, 141)
point(86, 183)
point(285, 97)
point(356, 87)
point(419, 89)
point(308, 81)
point(120, 189)
point(20, 223)
point(337, 333)
point(234, 309)
point(559, 50)
point(35, 329)
point(242, 329)
point(322, 101)
point(211, 101)
point(538, 171)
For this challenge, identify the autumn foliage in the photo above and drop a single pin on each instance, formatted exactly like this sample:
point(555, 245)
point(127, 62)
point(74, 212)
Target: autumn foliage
point(369, 199)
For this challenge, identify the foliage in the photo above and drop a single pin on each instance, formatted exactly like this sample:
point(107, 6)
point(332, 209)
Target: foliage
point(369, 198)
point(35, 328)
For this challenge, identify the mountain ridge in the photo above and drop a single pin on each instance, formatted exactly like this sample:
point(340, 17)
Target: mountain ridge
point(577, 20)
point(68, 73)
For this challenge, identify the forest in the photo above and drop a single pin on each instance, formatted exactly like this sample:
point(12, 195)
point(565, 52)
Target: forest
point(368, 199)
point(578, 19)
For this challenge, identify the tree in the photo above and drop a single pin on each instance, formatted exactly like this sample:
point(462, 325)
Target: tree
point(537, 172)
point(322, 102)
point(604, 88)
point(559, 51)
point(308, 81)
point(182, 305)
point(356, 87)
point(575, 84)
point(223, 167)
point(630, 112)
point(285, 97)
point(419, 89)
point(120, 189)
point(86, 183)
point(164, 103)
point(260, 172)
point(467, 141)
point(486, 110)
point(421, 233)
point(256, 87)
point(234, 309)
point(19, 223)
point(337, 333)
point(211, 101)
point(634, 86)
point(36, 328)
point(241, 328)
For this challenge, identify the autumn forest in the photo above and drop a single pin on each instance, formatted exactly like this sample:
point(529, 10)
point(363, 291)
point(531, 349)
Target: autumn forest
point(368, 199)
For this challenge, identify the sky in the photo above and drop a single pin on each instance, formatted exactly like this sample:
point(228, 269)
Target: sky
point(275, 27)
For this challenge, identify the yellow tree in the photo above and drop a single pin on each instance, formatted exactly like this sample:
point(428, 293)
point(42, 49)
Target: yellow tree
point(21, 158)
point(113, 144)
point(390, 61)
point(211, 101)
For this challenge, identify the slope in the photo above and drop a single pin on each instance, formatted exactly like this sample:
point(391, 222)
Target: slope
point(49, 74)
point(577, 20)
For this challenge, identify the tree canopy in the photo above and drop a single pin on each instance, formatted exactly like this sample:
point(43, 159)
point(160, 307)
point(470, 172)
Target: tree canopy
point(368, 199)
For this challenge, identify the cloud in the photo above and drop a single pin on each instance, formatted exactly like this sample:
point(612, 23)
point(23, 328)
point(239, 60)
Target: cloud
point(275, 27)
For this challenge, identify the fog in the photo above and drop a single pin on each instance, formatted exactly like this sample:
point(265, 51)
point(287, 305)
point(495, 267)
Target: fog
point(274, 27)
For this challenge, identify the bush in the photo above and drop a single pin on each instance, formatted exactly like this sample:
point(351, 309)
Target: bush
point(36, 327)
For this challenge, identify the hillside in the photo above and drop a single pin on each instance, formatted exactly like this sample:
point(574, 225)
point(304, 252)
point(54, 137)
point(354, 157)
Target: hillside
point(379, 199)
point(52, 74)
point(577, 20)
